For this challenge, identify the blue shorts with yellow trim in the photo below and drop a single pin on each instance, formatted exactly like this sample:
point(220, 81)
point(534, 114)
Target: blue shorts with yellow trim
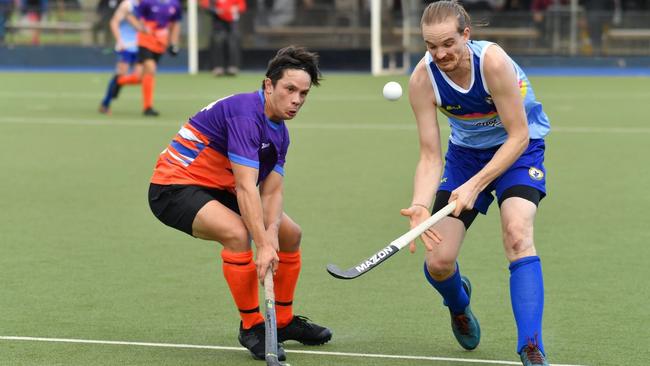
point(462, 163)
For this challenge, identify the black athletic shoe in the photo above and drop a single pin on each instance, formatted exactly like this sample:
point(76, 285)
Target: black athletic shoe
point(302, 330)
point(115, 88)
point(253, 340)
point(150, 112)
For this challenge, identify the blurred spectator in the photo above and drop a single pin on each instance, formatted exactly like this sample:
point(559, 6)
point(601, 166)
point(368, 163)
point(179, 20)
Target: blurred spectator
point(101, 28)
point(483, 5)
point(598, 16)
point(539, 9)
point(276, 13)
point(6, 7)
point(34, 11)
point(225, 39)
point(517, 5)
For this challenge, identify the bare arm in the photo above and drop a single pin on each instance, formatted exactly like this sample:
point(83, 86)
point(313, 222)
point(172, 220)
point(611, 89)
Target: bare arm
point(429, 166)
point(120, 14)
point(135, 22)
point(250, 206)
point(174, 33)
point(503, 84)
point(271, 190)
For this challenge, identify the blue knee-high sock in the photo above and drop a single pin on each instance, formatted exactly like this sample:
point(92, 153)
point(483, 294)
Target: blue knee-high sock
point(527, 297)
point(107, 98)
point(451, 289)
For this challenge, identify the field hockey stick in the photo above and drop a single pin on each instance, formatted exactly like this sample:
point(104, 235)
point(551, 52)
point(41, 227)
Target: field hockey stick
point(271, 329)
point(392, 248)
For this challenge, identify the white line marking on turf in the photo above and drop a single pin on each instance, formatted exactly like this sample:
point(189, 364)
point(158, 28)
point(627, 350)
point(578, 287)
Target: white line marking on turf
point(107, 121)
point(224, 348)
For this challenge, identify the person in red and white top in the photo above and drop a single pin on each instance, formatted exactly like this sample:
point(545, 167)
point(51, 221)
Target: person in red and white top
point(225, 39)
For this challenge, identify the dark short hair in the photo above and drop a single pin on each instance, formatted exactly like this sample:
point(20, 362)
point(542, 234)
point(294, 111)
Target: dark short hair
point(293, 57)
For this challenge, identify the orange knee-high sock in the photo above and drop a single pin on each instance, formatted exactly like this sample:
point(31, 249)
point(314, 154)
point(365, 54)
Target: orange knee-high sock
point(241, 274)
point(129, 79)
point(148, 84)
point(284, 282)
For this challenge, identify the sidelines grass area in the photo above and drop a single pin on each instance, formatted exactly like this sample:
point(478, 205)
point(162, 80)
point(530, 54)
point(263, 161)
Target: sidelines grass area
point(82, 257)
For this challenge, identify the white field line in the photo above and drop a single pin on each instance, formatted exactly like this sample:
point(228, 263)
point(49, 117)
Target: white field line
point(406, 126)
point(224, 348)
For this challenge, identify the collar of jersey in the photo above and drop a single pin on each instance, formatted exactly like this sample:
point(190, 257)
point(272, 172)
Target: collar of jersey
point(452, 83)
point(273, 125)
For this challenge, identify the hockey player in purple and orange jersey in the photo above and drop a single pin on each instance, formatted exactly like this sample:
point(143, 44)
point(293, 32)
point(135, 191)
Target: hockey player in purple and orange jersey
point(221, 179)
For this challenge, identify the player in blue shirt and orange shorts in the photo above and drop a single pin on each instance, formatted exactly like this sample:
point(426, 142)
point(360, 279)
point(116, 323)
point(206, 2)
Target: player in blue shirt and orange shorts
point(496, 145)
point(221, 179)
point(158, 31)
point(124, 25)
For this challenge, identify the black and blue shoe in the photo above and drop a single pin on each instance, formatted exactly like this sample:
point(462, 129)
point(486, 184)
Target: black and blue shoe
point(465, 325)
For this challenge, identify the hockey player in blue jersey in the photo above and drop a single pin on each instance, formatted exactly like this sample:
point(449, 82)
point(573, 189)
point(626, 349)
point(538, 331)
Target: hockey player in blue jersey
point(496, 145)
point(124, 26)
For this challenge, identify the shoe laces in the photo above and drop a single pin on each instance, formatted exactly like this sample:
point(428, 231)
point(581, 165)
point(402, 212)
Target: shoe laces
point(462, 323)
point(533, 352)
point(302, 321)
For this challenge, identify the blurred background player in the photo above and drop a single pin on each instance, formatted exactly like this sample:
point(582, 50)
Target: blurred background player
point(34, 11)
point(6, 8)
point(160, 31)
point(225, 39)
point(221, 179)
point(496, 144)
point(124, 25)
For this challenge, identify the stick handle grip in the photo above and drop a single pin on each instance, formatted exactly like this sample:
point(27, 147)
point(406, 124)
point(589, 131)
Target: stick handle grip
point(412, 234)
point(271, 332)
point(268, 285)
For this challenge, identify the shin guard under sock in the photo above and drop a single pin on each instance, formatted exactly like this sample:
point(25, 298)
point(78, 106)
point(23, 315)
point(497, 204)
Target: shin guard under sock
point(527, 297)
point(241, 274)
point(451, 289)
point(148, 85)
point(285, 281)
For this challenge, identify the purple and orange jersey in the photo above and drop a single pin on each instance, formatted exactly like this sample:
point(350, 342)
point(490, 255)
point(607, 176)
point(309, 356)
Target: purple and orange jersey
point(231, 130)
point(157, 16)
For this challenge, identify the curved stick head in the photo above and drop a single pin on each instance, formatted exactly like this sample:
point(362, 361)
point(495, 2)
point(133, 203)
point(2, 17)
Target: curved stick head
point(335, 271)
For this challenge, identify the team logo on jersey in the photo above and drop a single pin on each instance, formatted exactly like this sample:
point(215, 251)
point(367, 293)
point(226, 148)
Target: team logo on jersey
point(453, 107)
point(496, 121)
point(489, 100)
point(535, 173)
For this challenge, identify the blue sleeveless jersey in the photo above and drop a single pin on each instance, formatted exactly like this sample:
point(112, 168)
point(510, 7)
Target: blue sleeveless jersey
point(473, 117)
point(127, 31)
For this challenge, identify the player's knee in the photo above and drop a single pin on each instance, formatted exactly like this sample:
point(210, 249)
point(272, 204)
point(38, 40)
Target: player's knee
point(517, 239)
point(236, 239)
point(440, 268)
point(291, 241)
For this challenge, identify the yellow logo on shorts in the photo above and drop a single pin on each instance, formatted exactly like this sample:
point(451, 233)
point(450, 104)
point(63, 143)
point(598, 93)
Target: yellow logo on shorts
point(443, 180)
point(535, 173)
